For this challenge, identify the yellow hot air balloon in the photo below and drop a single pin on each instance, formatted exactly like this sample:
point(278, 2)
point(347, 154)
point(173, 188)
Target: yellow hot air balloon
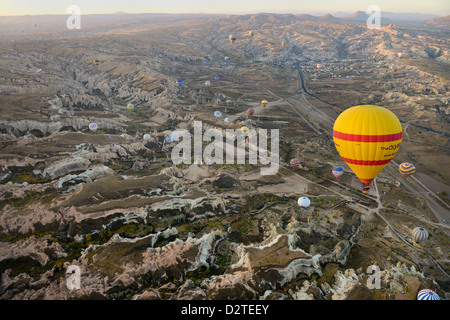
point(264, 103)
point(250, 33)
point(367, 137)
point(232, 38)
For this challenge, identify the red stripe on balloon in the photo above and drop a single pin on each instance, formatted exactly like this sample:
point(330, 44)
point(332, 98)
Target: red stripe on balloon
point(367, 162)
point(367, 138)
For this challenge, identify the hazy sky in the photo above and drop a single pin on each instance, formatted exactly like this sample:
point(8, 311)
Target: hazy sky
point(36, 7)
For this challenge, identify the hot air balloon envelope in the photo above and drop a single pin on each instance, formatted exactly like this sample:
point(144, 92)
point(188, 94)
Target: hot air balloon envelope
point(367, 138)
point(303, 202)
point(251, 111)
point(93, 126)
point(427, 294)
point(295, 163)
point(406, 169)
point(420, 234)
point(337, 172)
point(147, 136)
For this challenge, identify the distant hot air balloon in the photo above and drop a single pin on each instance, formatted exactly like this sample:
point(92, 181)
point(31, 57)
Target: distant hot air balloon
point(319, 66)
point(400, 54)
point(217, 114)
point(226, 120)
point(130, 106)
point(406, 169)
point(96, 62)
point(303, 202)
point(147, 136)
point(244, 130)
point(295, 163)
point(174, 136)
point(282, 43)
point(205, 61)
point(229, 102)
point(367, 137)
point(264, 103)
point(207, 83)
point(427, 294)
point(250, 33)
point(216, 77)
point(226, 62)
point(232, 38)
point(93, 126)
point(169, 140)
point(38, 70)
point(226, 58)
point(419, 234)
point(179, 81)
point(337, 172)
point(251, 111)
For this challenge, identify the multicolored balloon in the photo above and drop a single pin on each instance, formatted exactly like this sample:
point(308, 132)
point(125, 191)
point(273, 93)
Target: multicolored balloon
point(207, 83)
point(251, 112)
point(229, 102)
point(406, 169)
point(367, 138)
point(93, 126)
point(179, 81)
point(96, 62)
point(303, 202)
point(226, 120)
point(147, 136)
point(319, 66)
point(250, 33)
point(217, 114)
point(419, 234)
point(130, 106)
point(264, 103)
point(244, 130)
point(217, 77)
point(294, 163)
point(232, 38)
point(427, 294)
point(337, 172)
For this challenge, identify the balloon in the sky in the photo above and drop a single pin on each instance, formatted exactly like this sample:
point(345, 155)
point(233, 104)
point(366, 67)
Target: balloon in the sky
point(303, 202)
point(294, 163)
point(130, 106)
point(420, 234)
point(282, 43)
point(179, 81)
point(251, 111)
point(226, 58)
point(205, 61)
point(226, 120)
point(38, 70)
point(406, 169)
point(319, 66)
point(207, 83)
point(427, 294)
point(367, 138)
point(147, 136)
point(174, 136)
point(217, 114)
point(400, 54)
point(244, 130)
point(96, 62)
point(232, 38)
point(93, 126)
point(217, 77)
point(226, 62)
point(264, 103)
point(229, 102)
point(169, 140)
point(250, 33)
point(337, 172)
